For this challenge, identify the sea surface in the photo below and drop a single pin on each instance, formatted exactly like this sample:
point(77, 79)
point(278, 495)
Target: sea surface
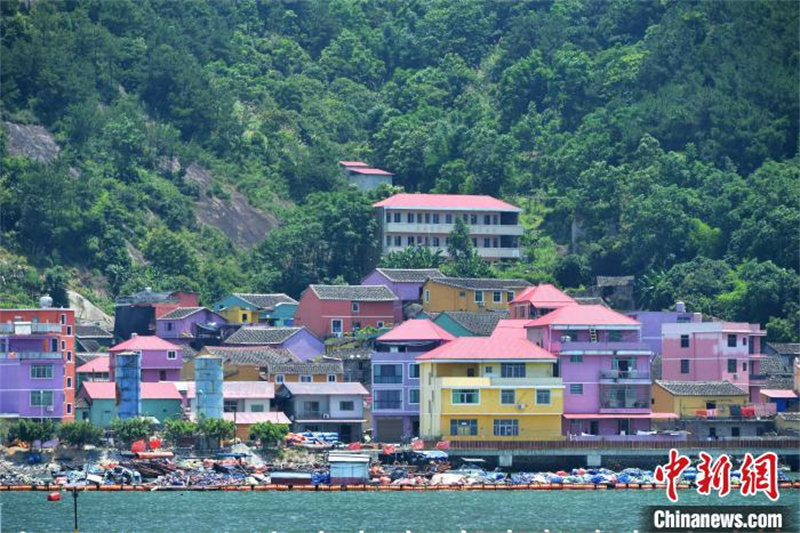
point(440, 511)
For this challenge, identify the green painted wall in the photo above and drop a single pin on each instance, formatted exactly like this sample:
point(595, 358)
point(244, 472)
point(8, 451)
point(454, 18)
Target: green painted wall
point(452, 327)
point(102, 412)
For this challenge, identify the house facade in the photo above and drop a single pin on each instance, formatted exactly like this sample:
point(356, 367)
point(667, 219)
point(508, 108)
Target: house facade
point(405, 283)
point(539, 300)
point(240, 363)
point(469, 323)
point(481, 389)
point(95, 370)
point(37, 363)
point(161, 360)
point(138, 312)
point(335, 310)
point(184, 325)
point(298, 340)
point(275, 309)
point(652, 322)
point(327, 407)
point(470, 294)
point(409, 220)
point(97, 402)
point(364, 177)
point(395, 378)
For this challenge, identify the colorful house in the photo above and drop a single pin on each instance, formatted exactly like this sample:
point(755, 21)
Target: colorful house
point(298, 340)
point(161, 360)
point(138, 312)
point(241, 363)
point(333, 310)
point(787, 351)
point(183, 325)
point(715, 351)
point(475, 388)
point(325, 371)
point(605, 367)
point(405, 283)
point(409, 220)
point(97, 402)
point(95, 370)
point(652, 322)
point(364, 177)
point(395, 378)
point(37, 363)
point(539, 300)
point(247, 308)
point(328, 407)
point(470, 294)
point(468, 323)
point(784, 399)
point(91, 338)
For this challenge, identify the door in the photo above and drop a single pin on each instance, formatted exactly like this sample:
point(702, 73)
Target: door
point(624, 427)
point(594, 427)
point(336, 326)
point(345, 432)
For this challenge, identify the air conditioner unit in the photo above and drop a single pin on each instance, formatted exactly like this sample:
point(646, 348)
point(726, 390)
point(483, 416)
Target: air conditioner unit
point(521, 406)
point(736, 376)
point(566, 338)
point(326, 416)
point(49, 409)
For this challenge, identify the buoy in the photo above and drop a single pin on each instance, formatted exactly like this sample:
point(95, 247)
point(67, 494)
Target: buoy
point(54, 497)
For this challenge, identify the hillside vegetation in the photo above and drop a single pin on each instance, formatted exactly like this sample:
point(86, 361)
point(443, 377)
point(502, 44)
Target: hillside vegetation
point(655, 139)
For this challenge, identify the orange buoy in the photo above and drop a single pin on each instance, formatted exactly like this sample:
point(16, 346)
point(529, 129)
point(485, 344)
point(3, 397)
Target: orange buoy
point(54, 497)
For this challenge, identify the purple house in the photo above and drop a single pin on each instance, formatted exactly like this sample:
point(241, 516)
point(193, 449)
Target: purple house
point(298, 340)
point(161, 360)
point(653, 320)
point(395, 378)
point(406, 283)
point(186, 324)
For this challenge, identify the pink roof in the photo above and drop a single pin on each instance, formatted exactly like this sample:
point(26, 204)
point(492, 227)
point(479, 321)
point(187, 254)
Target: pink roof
point(247, 418)
point(144, 342)
point(545, 296)
point(779, 393)
point(353, 164)
point(417, 330)
point(479, 348)
point(510, 328)
point(446, 201)
point(106, 390)
point(98, 364)
point(237, 390)
point(372, 171)
point(583, 315)
point(595, 416)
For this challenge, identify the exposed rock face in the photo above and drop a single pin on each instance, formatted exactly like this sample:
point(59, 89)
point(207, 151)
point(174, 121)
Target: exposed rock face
point(33, 142)
point(86, 311)
point(245, 225)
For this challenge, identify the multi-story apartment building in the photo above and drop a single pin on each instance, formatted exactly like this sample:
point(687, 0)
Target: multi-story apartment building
point(605, 367)
point(395, 378)
point(409, 220)
point(715, 351)
point(37, 363)
point(476, 388)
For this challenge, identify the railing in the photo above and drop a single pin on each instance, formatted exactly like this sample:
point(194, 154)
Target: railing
point(617, 346)
point(758, 377)
point(659, 437)
point(387, 379)
point(630, 404)
point(526, 381)
point(774, 443)
point(387, 404)
point(625, 374)
point(28, 328)
point(729, 412)
point(445, 229)
point(30, 355)
point(309, 415)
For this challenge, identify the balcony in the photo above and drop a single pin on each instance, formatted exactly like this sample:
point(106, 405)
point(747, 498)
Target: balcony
point(620, 376)
point(488, 253)
point(758, 379)
point(30, 355)
point(387, 379)
point(532, 381)
point(624, 406)
point(387, 404)
point(732, 412)
point(445, 229)
point(620, 348)
point(28, 328)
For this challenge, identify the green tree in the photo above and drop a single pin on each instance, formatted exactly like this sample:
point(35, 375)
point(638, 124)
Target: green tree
point(170, 252)
point(131, 429)
point(464, 260)
point(27, 430)
point(268, 434)
point(215, 428)
point(413, 257)
point(176, 429)
point(80, 433)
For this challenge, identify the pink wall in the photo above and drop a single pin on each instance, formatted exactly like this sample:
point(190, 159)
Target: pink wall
point(316, 314)
point(708, 354)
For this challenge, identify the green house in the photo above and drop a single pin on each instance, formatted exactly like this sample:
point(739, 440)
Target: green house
point(468, 323)
point(97, 402)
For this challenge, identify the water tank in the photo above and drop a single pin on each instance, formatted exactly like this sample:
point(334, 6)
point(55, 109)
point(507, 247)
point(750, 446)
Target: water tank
point(128, 379)
point(45, 302)
point(208, 386)
point(680, 307)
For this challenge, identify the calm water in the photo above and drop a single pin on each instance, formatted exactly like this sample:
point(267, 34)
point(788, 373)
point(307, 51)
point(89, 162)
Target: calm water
point(348, 511)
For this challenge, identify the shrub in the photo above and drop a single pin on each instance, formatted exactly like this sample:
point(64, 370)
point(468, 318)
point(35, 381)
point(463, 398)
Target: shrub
point(27, 430)
point(214, 428)
point(131, 429)
point(268, 433)
point(179, 429)
point(81, 432)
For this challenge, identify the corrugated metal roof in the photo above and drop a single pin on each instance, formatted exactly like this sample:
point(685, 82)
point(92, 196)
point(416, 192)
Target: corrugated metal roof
point(583, 315)
point(98, 364)
point(144, 342)
point(484, 348)
point(335, 389)
point(454, 202)
point(416, 330)
point(353, 164)
point(779, 393)
point(546, 296)
point(238, 390)
point(370, 171)
point(106, 390)
point(248, 418)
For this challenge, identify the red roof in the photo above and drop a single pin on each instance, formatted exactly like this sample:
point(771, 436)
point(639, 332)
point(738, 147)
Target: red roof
point(417, 330)
point(353, 164)
point(98, 364)
point(106, 390)
point(479, 348)
point(446, 201)
point(373, 171)
point(144, 342)
point(583, 315)
point(779, 393)
point(247, 418)
point(595, 416)
point(544, 296)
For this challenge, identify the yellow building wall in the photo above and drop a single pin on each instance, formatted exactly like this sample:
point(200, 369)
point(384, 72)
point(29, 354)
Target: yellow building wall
point(315, 378)
point(546, 427)
point(446, 298)
point(687, 406)
point(235, 313)
point(229, 372)
point(532, 370)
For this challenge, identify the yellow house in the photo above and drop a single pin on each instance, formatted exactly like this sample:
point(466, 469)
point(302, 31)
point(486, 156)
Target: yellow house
point(490, 389)
point(693, 399)
point(470, 294)
point(246, 308)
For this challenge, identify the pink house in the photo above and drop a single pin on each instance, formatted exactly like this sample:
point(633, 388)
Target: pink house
point(715, 351)
point(332, 310)
point(539, 300)
point(605, 368)
point(161, 360)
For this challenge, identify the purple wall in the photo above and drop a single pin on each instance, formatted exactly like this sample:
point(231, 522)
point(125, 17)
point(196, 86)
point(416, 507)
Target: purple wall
point(186, 325)
point(652, 322)
point(404, 291)
point(304, 345)
point(153, 362)
point(16, 384)
point(406, 411)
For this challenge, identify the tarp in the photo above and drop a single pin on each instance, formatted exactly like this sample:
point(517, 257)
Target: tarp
point(436, 455)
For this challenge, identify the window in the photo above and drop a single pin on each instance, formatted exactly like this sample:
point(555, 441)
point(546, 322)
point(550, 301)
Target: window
point(229, 406)
point(427, 218)
point(306, 378)
point(257, 408)
point(413, 396)
point(331, 378)
point(465, 397)
point(496, 243)
point(436, 218)
point(69, 331)
point(244, 317)
point(387, 374)
point(162, 375)
point(388, 216)
point(436, 241)
point(347, 405)
point(398, 241)
point(63, 345)
point(278, 378)
point(397, 217)
point(473, 219)
point(731, 365)
point(744, 339)
point(576, 358)
point(506, 427)
point(379, 324)
point(488, 370)
point(497, 297)
point(410, 218)
point(448, 218)
point(731, 341)
point(387, 399)
point(576, 388)
point(63, 318)
point(388, 240)
point(410, 240)
point(744, 367)
point(614, 336)
point(464, 428)
point(42, 398)
point(735, 432)
point(542, 397)
point(354, 307)
point(462, 294)
point(69, 356)
point(69, 408)
point(41, 371)
point(479, 296)
point(53, 345)
point(169, 326)
point(684, 366)
point(413, 370)
point(311, 408)
point(487, 242)
point(336, 326)
point(684, 341)
point(172, 354)
point(427, 296)
point(512, 370)
point(508, 397)
point(509, 296)
point(69, 382)
point(487, 219)
point(475, 242)
point(496, 219)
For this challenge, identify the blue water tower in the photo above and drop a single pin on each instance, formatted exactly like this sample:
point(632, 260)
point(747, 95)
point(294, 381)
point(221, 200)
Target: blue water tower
point(208, 386)
point(128, 379)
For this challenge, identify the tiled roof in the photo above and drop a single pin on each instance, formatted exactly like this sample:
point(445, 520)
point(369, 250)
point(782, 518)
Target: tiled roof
point(483, 284)
point(791, 416)
point(236, 390)
point(363, 352)
point(545, 296)
point(453, 202)
point(265, 301)
point(785, 348)
point(248, 418)
point(410, 275)
point(310, 367)
point(701, 388)
point(355, 293)
point(583, 315)
point(773, 365)
point(614, 281)
point(87, 345)
point(144, 342)
point(250, 355)
point(106, 390)
point(482, 348)
point(591, 300)
point(81, 358)
point(416, 330)
point(261, 335)
point(478, 322)
point(92, 331)
point(336, 388)
point(180, 312)
point(98, 364)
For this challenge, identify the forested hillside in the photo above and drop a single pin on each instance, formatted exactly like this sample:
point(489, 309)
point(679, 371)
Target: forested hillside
point(655, 139)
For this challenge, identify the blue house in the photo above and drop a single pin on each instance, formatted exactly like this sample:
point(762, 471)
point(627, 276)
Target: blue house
point(275, 309)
